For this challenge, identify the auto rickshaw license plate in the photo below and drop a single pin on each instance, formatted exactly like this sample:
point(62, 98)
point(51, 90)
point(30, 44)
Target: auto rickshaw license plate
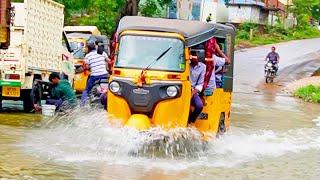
point(10, 91)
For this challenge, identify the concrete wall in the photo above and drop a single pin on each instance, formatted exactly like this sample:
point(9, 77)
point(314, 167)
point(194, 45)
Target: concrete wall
point(272, 18)
point(241, 14)
point(208, 7)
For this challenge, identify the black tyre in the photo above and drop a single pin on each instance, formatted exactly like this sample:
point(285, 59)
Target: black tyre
point(93, 95)
point(31, 97)
point(269, 79)
point(222, 126)
point(27, 101)
point(0, 102)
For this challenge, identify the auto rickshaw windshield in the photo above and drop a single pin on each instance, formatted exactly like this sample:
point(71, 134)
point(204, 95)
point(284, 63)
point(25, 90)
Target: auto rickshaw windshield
point(78, 49)
point(139, 51)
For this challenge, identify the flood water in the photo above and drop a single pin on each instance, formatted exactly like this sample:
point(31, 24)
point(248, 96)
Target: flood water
point(272, 135)
point(277, 138)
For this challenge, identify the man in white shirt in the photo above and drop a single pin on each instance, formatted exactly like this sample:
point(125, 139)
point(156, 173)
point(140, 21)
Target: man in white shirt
point(98, 69)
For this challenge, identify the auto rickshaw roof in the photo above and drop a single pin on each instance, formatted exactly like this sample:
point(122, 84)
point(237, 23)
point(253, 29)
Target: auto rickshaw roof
point(78, 35)
point(195, 32)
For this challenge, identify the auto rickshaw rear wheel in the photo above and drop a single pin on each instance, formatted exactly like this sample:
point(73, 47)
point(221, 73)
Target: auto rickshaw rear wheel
point(222, 126)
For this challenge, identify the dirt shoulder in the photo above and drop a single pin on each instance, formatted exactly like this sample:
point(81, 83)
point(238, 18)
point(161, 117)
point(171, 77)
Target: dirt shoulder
point(293, 86)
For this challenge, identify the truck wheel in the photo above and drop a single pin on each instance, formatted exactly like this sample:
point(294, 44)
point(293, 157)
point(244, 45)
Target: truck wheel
point(222, 126)
point(0, 102)
point(27, 101)
point(31, 97)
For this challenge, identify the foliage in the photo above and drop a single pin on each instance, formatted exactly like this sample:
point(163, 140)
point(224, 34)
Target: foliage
point(151, 8)
point(315, 11)
point(303, 10)
point(309, 93)
point(244, 30)
point(105, 14)
point(273, 34)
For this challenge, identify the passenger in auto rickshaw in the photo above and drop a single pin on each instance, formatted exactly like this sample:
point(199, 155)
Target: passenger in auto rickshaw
point(197, 74)
point(214, 57)
point(204, 74)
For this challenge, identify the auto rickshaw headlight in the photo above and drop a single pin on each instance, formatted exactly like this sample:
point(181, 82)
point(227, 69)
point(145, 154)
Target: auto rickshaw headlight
point(172, 91)
point(114, 87)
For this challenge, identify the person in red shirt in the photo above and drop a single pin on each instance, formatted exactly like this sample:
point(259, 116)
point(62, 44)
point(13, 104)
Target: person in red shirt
point(212, 48)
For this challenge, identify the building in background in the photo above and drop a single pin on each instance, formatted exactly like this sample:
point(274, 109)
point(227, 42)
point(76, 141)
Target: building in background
point(277, 11)
point(264, 12)
point(240, 11)
point(185, 9)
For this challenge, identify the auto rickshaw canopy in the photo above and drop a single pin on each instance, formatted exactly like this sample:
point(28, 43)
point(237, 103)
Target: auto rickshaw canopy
point(194, 32)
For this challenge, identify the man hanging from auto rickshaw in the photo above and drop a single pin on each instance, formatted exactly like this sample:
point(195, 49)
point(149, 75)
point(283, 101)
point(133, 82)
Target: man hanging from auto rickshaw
point(215, 58)
point(98, 70)
point(197, 74)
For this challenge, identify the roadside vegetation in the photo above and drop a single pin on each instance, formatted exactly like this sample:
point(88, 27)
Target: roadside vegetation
point(309, 93)
point(271, 35)
point(302, 10)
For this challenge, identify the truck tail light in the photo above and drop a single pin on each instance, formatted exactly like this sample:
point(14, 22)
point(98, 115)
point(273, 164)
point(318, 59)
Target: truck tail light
point(12, 76)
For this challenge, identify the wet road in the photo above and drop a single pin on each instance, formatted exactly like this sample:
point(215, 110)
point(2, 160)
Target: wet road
point(272, 136)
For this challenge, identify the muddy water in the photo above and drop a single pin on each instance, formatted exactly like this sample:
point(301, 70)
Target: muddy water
point(272, 136)
point(277, 138)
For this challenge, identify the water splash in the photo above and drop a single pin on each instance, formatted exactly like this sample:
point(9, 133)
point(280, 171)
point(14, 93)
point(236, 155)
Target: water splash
point(86, 136)
point(317, 121)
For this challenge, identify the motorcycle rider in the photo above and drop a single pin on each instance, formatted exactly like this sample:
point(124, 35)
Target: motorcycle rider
point(274, 58)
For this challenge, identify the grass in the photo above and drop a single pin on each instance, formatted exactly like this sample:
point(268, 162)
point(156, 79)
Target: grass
point(309, 93)
point(272, 35)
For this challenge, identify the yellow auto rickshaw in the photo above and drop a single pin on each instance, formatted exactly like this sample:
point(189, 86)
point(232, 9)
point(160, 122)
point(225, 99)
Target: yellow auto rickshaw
point(150, 84)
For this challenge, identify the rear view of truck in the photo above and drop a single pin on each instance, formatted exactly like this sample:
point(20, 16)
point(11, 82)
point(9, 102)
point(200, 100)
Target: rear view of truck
point(35, 50)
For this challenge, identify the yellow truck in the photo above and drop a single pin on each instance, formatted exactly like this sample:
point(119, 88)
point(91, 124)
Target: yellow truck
point(36, 49)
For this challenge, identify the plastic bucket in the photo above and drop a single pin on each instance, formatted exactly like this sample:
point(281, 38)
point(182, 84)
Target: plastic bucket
point(48, 110)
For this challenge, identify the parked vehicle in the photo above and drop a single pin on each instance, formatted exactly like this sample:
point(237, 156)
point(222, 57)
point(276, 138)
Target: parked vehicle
point(270, 72)
point(78, 37)
point(146, 92)
point(38, 47)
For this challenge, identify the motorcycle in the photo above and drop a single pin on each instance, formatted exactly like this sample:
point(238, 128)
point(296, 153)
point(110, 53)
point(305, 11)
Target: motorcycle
point(98, 93)
point(270, 72)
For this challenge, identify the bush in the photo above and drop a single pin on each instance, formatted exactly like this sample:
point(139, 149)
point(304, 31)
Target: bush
point(273, 34)
point(309, 93)
point(242, 34)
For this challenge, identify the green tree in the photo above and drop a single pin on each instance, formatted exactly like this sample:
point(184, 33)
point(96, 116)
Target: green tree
point(151, 8)
point(316, 11)
point(302, 9)
point(105, 14)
